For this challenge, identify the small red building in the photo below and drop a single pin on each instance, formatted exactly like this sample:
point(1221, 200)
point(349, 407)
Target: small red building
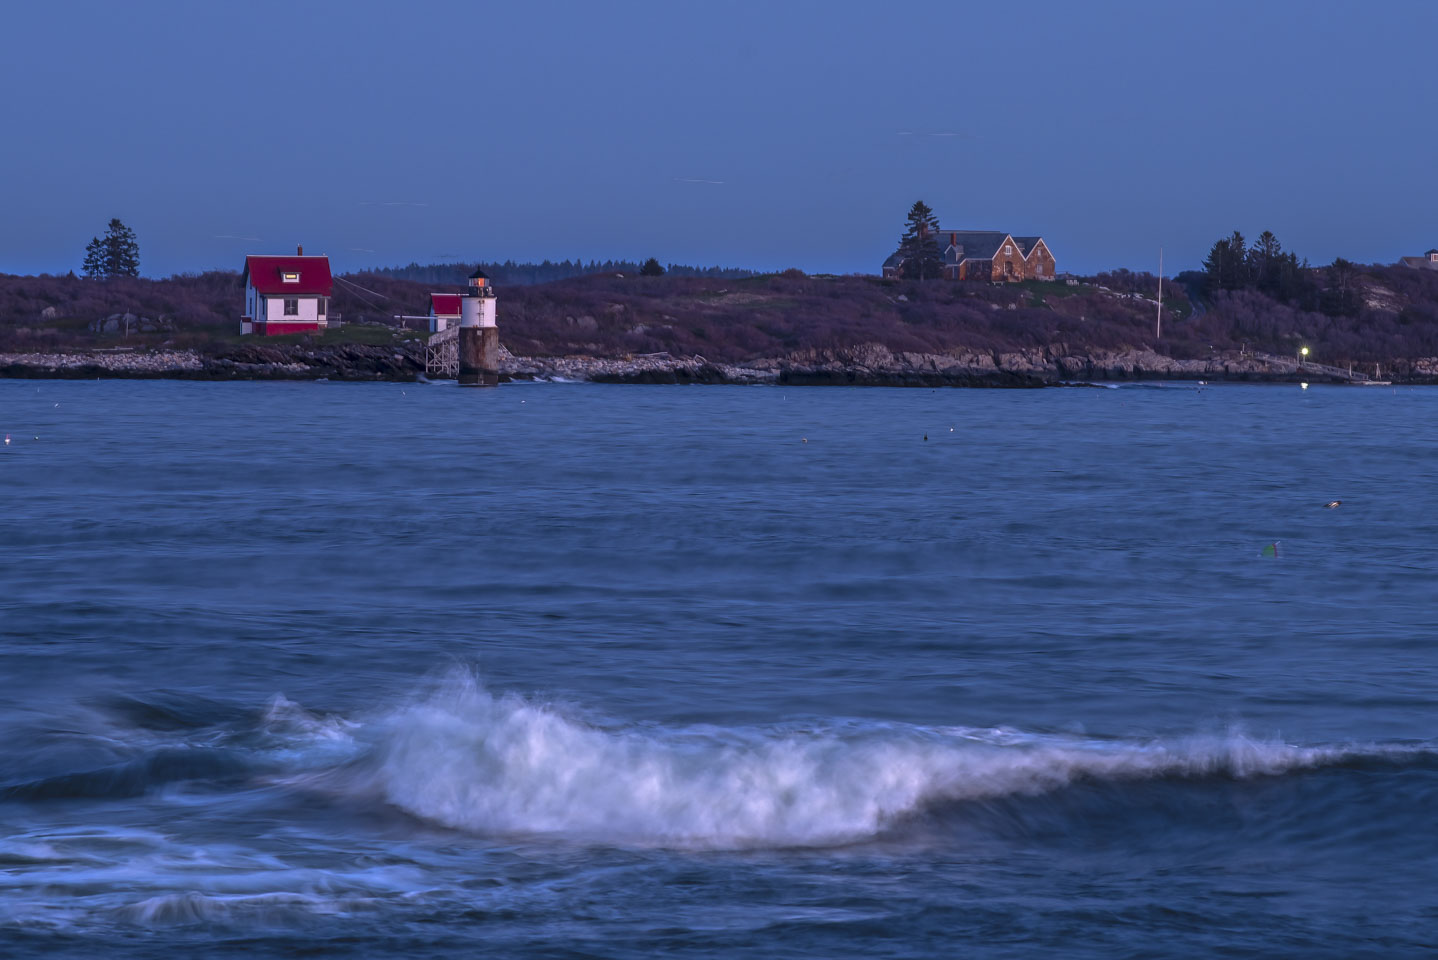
point(443, 311)
point(286, 294)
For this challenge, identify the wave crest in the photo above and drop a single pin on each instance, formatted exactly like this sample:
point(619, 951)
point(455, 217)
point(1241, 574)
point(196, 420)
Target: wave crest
point(507, 765)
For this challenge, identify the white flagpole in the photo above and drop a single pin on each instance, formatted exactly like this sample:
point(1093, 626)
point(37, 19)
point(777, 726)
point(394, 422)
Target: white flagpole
point(1158, 327)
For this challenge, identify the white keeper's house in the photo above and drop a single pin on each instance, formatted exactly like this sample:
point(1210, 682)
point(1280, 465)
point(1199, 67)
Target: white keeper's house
point(286, 294)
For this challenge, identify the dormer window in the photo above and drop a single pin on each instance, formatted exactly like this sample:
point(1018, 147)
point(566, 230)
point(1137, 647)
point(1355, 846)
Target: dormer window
point(290, 276)
point(1433, 256)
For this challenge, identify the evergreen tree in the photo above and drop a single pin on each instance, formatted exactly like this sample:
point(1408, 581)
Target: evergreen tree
point(1300, 288)
point(116, 254)
point(1215, 265)
point(122, 251)
point(651, 268)
point(1294, 284)
point(919, 257)
point(1238, 276)
point(94, 266)
point(1265, 263)
point(1227, 264)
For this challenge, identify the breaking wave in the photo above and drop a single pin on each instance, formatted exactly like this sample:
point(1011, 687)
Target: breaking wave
point(507, 765)
point(470, 760)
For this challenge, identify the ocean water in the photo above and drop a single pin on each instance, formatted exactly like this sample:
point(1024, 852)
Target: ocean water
point(565, 670)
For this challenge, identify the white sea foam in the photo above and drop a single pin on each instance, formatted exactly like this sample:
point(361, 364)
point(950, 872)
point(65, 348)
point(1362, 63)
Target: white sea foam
point(267, 909)
point(66, 878)
point(507, 765)
point(299, 738)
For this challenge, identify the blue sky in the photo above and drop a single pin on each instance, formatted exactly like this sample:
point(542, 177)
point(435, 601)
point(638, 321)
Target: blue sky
point(765, 135)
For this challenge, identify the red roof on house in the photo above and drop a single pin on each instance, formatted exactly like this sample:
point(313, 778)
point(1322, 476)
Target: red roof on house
point(444, 304)
point(266, 274)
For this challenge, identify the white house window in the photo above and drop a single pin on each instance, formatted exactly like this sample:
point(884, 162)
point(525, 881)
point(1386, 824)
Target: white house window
point(292, 308)
point(321, 301)
point(1008, 249)
point(290, 277)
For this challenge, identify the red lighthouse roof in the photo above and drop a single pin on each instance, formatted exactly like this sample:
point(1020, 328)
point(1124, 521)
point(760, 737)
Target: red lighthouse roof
point(307, 276)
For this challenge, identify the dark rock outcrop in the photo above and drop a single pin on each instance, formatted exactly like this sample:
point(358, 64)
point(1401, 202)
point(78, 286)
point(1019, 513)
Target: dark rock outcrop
point(336, 362)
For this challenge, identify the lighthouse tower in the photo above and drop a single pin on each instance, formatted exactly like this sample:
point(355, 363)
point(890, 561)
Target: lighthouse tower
point(478, 334)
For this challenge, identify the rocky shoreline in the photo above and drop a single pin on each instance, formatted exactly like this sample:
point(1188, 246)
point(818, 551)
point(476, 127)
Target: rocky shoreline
point(866, 365)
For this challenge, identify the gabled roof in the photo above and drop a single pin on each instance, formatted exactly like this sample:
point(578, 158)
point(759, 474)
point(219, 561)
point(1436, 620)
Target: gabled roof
point(444, 304)
point(976, 244)
point(1428, 253)
point(265, 274)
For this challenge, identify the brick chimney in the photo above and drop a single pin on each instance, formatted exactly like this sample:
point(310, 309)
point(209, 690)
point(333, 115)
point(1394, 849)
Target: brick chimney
point(299, 249)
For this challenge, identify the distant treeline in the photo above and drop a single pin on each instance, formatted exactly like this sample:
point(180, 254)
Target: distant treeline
point(510, 273)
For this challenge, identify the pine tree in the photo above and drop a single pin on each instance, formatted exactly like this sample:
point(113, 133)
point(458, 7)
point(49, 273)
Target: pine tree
point(116, 254)
point(1215, 266)
point(1237, 276)
point(1265, 263)
point(1295, 283)
point(122, 251)
point(1227, 264)
point(919, 257)
point(651, 268)
point(94, 266)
